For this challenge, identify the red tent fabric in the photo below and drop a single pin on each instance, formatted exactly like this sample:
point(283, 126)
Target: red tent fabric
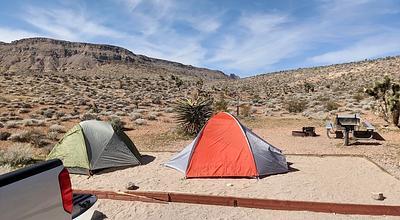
point(222, 150)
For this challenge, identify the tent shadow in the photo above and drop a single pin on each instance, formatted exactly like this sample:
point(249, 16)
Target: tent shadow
point(98, 215)
point(146, 159)
point(290, 170)
point(112, 169)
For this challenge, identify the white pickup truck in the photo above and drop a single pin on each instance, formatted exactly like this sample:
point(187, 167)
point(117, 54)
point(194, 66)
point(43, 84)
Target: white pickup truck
point(42, 191)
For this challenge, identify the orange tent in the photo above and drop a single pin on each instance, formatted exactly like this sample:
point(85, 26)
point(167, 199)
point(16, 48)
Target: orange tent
point(225, 148)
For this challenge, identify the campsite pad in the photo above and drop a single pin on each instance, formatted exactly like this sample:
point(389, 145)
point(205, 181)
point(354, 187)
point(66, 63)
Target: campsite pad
point(321, 179)
point(121, 210)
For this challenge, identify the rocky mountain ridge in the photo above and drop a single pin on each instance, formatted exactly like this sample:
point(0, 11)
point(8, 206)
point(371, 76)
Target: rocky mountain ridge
point(50, 55)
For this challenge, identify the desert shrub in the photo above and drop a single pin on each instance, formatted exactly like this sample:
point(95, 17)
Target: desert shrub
point(34, 137)
point(169, 110)
point(192, 114)
point(32, 122)
point(52, 135)
point(140, 121)
point(116, 123)
point(295, 105)
point(135, 115)
point(48, 113)
point(17, 155)
point(245, 110)
point(321, 98)
point(358, 97)
point(23, 110)
point(4, 135)
point(152, 117)
point(156, 100)
point(309, 87)
point(221, 105)
point(331, 105)
point(12, 124)
point(60, 114)
point(89, 116)
point(57, 128)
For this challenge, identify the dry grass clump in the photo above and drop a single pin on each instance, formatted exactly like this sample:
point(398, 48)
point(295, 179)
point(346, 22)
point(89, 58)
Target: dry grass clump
point(89, 116)
point(140, 121)
point(152, 117)
point(295, 105)
point(331, 105)
point(34, 137)
point(57, 128)
point(17, 154)
point(32, 122)
point(12, 124)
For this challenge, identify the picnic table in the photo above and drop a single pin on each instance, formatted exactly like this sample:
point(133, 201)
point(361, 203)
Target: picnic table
point(346, 124)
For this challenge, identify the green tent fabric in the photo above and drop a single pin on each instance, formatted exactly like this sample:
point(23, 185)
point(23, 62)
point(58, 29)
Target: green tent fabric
point(93, 145)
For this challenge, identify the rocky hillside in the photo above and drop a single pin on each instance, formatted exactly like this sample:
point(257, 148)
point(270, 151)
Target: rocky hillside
point(313, 91)
point(49, 55)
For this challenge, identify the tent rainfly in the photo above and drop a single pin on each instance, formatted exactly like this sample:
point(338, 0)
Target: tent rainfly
point(93, 145)
point(226, 148)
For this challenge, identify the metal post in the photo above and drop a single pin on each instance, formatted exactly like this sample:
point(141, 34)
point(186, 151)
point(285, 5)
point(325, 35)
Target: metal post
point(346, 136)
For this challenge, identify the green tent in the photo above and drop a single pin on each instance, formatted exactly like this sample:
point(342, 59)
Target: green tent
point(93, 145)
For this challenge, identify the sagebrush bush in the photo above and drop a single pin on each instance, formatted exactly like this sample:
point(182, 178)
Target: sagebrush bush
point(34, 137)
point(245, 110)
point(17, 155)
point(331, 105)
point(140, 121)
point(89, 116)
point(295, 106)
point(57, 128)
point(117, 123)
point(52, 135)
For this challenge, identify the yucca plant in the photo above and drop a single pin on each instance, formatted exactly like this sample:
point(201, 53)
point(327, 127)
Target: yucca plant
point(193, 113)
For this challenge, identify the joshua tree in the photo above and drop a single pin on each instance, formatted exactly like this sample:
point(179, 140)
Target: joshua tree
point(388, 95)
point(193, 113)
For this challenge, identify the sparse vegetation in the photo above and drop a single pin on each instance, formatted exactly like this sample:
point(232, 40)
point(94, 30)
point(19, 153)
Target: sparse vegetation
point(192, 114)
point(387, 93)
point(117, 123)
point(17, 155)
point(331, 105)
point(295, 106)
point(221, 105)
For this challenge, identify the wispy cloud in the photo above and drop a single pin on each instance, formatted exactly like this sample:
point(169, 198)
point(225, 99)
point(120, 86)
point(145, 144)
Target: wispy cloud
point(265, 39)
point(68, 24)
point(370, 47)
point(7, 34)
point(156, 20)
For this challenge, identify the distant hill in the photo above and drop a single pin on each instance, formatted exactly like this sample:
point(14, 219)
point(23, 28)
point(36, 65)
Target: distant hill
point(50, 55)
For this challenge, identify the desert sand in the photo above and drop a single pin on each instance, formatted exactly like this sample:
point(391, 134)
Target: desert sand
point(323, 179)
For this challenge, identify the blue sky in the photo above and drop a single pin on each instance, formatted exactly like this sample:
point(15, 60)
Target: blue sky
point(241, 37)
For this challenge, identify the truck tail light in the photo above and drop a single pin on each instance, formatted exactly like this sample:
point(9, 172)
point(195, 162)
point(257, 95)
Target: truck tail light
point(66, 190)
